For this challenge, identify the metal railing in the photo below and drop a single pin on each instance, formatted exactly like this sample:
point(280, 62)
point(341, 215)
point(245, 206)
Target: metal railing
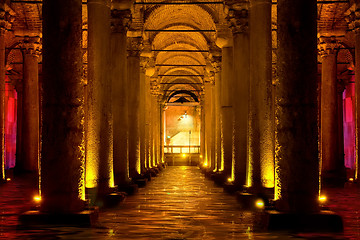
point(181, 149)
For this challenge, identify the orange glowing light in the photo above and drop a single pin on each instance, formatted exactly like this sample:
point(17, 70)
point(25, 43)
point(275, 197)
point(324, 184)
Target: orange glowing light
point(205, 164)
point(230, 180)
point(8, 179)
point(201, 156)
point(260, 204)
point(184, 155)
point(322, 198)
point(37, 198)
point(351, 179)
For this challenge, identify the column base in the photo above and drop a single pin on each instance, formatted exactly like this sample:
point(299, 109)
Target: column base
point(85, 218)
point(323, 221)
point(252, 202)
point(111, 199)
point(232, 188)
point(140, 181)
point(129, 188)
point(219, 178)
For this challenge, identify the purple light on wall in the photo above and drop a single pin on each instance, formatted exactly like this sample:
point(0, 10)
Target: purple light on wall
point(10, 126)
point(349, 124)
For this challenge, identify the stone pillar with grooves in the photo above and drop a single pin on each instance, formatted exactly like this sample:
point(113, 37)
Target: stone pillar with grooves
point(296, 138)
point(62, 155)
point(119, 25)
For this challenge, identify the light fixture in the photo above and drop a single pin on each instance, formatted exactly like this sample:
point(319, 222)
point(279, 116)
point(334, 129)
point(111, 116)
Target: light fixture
point(259, 203)
point(37, 198)
point(322, 198)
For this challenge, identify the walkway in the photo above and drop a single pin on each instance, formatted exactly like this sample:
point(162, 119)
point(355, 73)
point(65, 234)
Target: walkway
point(178, 204)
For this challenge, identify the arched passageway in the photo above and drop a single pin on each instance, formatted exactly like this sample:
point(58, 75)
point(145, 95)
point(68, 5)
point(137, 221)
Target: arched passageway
point(271, 93)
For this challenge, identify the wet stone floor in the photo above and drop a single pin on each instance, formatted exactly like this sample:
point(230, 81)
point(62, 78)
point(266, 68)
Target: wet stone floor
point(180, 203)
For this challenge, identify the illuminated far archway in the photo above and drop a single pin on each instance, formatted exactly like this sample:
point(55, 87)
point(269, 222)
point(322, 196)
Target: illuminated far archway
point(182, 127)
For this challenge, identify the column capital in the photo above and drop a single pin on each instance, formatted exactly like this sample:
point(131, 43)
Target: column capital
point(328, 45)
point(120, 20)
point(238, 17)
point(154, 87)
point(134, 46)
point(353, 19)
point(216, 63)
point(6, 20)
point(31, 45)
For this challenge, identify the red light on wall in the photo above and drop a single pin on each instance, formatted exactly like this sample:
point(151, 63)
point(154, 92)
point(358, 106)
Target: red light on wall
point(348, 110)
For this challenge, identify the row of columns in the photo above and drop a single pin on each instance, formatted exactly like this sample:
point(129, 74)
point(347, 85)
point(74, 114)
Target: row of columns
point(96, 133)
point(269, 134)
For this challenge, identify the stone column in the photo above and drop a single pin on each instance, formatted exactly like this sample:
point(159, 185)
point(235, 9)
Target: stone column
point(119, 26)
point(227, 87)
point(63, 158)
point(208, 124)
point(297, 163)
point(30, 104)
point(3, 27)
point(142, 98)
point(133, 107)
point(99, 145)
point(329, 125)
point(355, 27)
point(202, 130)
point(217, 70)
point(161, 133)
point(261, 128)
point(238, 17)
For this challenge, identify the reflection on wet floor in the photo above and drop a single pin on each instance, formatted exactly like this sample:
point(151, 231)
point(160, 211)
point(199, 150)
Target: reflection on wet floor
point(180, 203)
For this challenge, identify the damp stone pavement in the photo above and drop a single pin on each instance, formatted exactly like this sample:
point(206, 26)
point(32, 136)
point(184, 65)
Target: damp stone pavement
point(180, 203)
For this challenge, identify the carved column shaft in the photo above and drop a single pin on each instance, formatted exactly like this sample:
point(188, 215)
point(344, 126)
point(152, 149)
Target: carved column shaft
point(119, 25)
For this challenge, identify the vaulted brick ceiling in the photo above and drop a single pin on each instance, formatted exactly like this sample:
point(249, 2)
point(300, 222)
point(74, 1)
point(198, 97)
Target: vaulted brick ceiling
point(210, 17)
